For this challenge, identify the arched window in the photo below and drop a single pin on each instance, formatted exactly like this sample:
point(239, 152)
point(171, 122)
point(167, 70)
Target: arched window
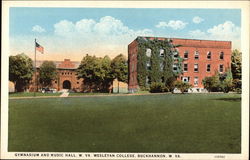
point(209, 54)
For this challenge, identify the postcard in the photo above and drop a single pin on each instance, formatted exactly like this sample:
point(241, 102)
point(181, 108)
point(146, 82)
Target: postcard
point(125, 80)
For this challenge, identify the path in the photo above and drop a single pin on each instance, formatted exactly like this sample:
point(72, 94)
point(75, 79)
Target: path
point(65, 93)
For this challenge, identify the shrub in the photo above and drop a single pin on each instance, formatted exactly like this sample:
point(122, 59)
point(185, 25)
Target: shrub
point(226, 81)
point(226, 85)
point(157, 87)
point(170, 84)
point(212, 84)
point(182, 86)
point(237, 85)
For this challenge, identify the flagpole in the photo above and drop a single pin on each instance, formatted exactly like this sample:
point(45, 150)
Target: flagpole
point(35, 86)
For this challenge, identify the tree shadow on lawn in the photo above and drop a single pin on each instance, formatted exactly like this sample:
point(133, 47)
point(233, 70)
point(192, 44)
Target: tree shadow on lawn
point(230, 99)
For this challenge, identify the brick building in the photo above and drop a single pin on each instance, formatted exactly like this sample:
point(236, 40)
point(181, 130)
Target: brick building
point(66, 76)
point(201, 58)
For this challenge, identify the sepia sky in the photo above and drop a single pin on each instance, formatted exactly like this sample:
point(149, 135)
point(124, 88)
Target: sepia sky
point(73, 32)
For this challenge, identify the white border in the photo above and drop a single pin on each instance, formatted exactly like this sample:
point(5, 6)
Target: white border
point(243, 5)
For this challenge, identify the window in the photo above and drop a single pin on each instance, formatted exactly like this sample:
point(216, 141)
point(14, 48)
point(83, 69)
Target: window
point(196, 67)
point(209, 55)
point(148, 65)
point(186, 55)
point(185, 67)
point(175, 67)
point(208, 67)
point(161, 52)
point(196, 55)
point(161, 66)
point(221, 69)
point(175, 53)
point(148, 80)
point(196, 81)
point(221, 55)
point(185, 79)
point(148, 52)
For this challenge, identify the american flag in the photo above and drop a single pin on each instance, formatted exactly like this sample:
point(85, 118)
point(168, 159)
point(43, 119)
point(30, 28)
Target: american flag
point(39, 48)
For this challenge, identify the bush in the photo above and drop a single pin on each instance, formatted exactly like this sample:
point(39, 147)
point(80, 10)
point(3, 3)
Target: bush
point(226, 85)
point(182, 86)
point(212, 84)
point(170, 84)
point(157, 87)
point(237, 85)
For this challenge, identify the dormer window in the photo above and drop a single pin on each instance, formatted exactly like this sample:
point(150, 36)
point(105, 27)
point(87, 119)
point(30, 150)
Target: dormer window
point(196, 55)
point(209, 54)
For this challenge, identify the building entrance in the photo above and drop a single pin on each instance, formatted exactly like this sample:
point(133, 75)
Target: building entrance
point(66, 84)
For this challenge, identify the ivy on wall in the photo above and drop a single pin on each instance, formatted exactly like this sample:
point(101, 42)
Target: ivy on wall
point(160, 66)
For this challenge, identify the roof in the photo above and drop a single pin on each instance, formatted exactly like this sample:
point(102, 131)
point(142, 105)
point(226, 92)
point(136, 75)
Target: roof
point(195, 42)
point(66, 64)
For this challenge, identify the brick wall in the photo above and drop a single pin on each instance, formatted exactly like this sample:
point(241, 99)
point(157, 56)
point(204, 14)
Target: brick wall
point(132, 65)
point(66, 71)
point(192, 46)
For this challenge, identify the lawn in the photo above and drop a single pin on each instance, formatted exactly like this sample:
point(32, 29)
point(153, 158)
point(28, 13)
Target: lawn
point(31, 94)
point(86, 94)
point(169, 123)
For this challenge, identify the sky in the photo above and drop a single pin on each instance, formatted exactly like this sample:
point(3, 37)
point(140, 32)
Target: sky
point(74, 32)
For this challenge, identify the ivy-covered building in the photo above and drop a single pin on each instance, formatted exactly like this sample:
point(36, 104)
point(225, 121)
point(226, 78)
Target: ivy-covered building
point(157, 59)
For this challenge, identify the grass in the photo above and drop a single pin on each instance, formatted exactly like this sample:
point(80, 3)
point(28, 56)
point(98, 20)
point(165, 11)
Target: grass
point(83, 94)
point(170, 123)
point(31, 94)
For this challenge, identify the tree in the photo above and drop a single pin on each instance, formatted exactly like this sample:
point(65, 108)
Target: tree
point(96, 72)
point(20, 71)
point(182, 86)
point(106, 78)
point(211, 83)
point(47, 73)
point(236, 64)
point(119, 68)
point(226, 81)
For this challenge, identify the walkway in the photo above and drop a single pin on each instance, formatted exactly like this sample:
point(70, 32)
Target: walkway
point(65, 93)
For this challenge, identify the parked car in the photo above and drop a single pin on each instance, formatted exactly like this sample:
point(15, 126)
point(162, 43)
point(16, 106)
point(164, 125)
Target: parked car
point(48, 90)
